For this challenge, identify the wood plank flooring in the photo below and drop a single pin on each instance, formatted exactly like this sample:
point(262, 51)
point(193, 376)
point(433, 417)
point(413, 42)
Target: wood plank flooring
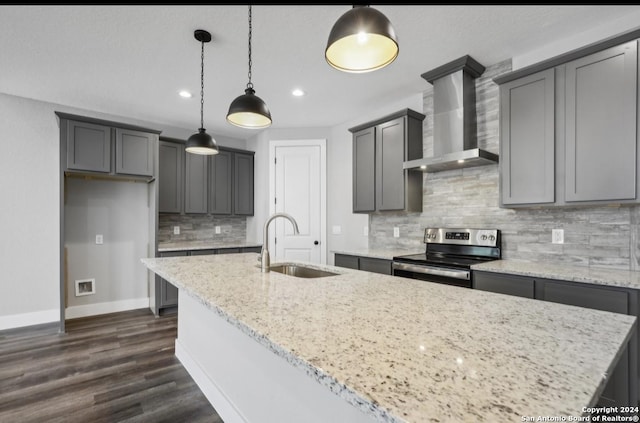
point(111, 368)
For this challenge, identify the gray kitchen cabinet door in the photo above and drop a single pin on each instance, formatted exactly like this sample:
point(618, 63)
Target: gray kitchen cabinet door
point(519, 286)
point(345, 260)
point(88, 146)
point(134, 152)
point(390, 183)
point(243, 184)
point(601, 119)
point(620, 388)
point(168, 292)
point(170, 183)
point(364, 174)
point(196, 183)
point(376, 265)
point(220, 183)
point(527, 140)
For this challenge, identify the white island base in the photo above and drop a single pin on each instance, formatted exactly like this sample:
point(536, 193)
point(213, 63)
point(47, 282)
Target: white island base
point(245, 381)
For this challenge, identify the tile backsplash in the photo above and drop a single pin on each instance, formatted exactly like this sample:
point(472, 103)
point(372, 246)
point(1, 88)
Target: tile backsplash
point(201, 227)
point(603, 236)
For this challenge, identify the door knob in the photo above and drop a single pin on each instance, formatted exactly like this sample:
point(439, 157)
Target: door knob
point(316, 242)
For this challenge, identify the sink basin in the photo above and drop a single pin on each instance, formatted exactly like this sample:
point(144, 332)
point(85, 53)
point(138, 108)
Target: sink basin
point(300, 271)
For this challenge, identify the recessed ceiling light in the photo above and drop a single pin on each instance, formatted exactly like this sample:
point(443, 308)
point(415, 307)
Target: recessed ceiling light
point(298, 92)
point(185, 94)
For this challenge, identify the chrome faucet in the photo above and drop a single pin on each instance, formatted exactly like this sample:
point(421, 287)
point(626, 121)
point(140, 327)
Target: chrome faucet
point(265, 260)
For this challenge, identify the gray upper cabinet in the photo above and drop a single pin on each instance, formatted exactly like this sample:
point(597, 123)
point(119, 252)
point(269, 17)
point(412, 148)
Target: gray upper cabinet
point(379, 149)
point(527, 139)
point(134, 152)
point(220, 174)
point(88, 146)
point(220, 184)
point(364, 175)
point(196, 183)
point(170, 177)
point(568, 133)
point(601, 119)
point(243, 184)
point(109, 148)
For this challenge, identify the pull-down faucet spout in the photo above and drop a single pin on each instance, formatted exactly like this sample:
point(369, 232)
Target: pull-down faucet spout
point(265, 260)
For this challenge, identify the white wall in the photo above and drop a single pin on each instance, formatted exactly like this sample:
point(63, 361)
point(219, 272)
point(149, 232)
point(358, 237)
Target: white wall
point(339, 187)
point(598, 33)
point(30, 205)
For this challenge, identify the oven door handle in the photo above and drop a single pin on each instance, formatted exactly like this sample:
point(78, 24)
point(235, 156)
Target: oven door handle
point(429, 270)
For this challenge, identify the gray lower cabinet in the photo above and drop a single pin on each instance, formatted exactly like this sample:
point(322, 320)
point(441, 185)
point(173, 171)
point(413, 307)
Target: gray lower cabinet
point(520, 286)
point(170, 177)
point(166, 293)
point(622, 387)
point(104, 147)
point(568, 134)
point(368, 264)
point(379, 150)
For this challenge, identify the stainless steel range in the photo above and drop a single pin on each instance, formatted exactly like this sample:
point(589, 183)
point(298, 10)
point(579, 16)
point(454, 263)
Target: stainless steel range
point(449, 255)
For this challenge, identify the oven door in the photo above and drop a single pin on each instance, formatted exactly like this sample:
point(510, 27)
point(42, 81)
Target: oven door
point(444, 275)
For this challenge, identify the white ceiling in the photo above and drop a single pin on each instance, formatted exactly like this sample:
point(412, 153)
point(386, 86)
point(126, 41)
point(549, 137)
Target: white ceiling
point(132, 60)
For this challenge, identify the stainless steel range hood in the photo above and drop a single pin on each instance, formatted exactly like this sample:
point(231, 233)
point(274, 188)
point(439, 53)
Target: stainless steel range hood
point(455, 144)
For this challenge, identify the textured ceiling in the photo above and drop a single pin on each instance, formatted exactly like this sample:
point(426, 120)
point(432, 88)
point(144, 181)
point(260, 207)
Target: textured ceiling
point(132, 60)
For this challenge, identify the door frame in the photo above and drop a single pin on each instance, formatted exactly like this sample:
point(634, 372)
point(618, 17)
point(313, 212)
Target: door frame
point(319, 142)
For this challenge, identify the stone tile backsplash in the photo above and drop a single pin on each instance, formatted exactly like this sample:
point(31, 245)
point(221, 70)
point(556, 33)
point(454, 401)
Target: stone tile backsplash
point(603, 236)
point(200, 227)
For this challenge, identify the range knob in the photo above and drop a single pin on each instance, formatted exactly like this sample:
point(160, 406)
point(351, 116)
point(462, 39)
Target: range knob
point(483, 237)
point(492, 237)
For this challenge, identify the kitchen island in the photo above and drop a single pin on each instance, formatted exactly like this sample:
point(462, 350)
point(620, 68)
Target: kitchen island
point(365, 347)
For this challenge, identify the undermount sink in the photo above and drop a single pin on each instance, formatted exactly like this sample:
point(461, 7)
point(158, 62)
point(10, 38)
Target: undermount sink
point(300, 271)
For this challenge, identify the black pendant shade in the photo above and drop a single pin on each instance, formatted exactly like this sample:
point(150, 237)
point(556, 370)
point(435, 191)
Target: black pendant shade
point(249, 111)
point(201, 143)
point(362, 40)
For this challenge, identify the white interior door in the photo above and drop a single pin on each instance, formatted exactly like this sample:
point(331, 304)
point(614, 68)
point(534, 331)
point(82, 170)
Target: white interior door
point(298, 169)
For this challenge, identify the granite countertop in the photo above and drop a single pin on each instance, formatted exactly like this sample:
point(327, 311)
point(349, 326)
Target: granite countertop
point(404, 350)
point(203, 245)
point(387, 254)
point(567, 272)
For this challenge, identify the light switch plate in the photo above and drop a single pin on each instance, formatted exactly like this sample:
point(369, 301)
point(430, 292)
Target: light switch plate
point(365, 231)
point(99, 239)
point(336, 230)
point(396, 232)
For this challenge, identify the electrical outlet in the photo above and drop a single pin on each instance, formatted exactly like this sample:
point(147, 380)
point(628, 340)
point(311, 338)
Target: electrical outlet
point(365, 231)
point(557, 236)
point(176, 230)
point(99, 239)
point(396, 232)
point(217, 228)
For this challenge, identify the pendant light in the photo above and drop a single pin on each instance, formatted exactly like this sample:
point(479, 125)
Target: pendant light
point(248, 110)
point(201, 143)
point(362, 40)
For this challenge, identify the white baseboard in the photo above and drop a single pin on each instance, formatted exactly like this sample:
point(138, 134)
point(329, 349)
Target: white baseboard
point(104, 308)
point(29, 319)
point(223, 406)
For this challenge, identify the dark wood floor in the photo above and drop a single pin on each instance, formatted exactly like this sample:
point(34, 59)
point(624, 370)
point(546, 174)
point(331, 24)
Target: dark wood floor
point(116, 367)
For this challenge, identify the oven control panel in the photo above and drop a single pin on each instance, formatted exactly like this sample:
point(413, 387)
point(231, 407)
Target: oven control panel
point(482, 237)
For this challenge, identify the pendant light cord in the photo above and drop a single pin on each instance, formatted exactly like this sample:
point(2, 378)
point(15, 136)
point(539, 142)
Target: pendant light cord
point(202, 86)
point(249, 84)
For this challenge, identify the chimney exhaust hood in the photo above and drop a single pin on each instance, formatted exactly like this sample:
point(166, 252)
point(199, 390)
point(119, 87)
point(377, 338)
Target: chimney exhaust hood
point(455, 144)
